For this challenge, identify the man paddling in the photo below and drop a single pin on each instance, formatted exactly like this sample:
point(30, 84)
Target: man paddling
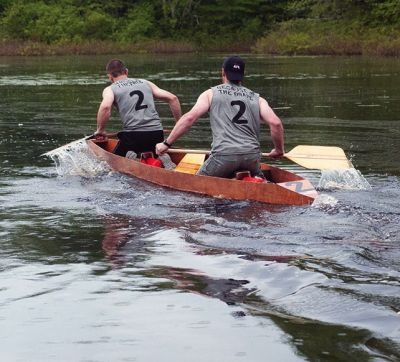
point(235, 116)
point(134, 100)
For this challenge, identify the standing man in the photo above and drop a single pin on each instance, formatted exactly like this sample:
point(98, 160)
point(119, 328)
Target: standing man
point(235, 116)
point(134, 100)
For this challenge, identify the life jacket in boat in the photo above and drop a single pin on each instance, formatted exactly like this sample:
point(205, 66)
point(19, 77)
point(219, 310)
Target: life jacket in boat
point(252, 179)
point(245, 176)
point(148, 159)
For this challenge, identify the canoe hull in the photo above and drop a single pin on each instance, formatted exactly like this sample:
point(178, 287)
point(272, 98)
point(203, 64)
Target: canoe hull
point(286, 189)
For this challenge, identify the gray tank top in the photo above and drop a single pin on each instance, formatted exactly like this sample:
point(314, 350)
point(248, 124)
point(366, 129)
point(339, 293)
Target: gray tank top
point(235, 120)
point(134, 100)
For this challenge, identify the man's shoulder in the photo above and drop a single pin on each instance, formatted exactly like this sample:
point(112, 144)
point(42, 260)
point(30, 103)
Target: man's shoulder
point(108, 89)
point(208, 93)
point(141, 80)
point(218, 86)
point(130, 81)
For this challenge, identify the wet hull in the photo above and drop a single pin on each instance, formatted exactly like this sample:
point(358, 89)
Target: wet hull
point(284, 188)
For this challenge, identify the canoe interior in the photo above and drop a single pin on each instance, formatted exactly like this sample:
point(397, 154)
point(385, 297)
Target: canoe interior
point(272, 174)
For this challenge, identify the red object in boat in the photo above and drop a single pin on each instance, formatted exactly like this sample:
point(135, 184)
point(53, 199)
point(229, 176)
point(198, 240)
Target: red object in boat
point(151, 161)
point(252, 179)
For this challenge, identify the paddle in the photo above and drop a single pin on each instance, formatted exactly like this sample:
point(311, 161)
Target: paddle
point(319, 157)
point(76, 142)
point(72, 144)
point(313, 157)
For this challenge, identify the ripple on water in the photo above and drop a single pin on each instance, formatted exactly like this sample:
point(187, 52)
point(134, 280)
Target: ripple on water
point(50, 79)
point(316, 263)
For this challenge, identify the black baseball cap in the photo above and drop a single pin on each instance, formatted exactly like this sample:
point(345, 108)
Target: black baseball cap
point(234, 68)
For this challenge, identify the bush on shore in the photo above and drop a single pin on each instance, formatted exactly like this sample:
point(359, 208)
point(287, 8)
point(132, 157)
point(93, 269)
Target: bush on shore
point(316, 37)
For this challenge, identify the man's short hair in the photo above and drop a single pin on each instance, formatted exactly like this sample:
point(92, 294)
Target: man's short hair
point(116, 67)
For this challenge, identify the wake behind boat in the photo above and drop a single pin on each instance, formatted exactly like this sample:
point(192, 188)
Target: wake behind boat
point(282, 187)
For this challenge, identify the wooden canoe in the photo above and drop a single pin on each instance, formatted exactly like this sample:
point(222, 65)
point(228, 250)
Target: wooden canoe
point(283, 188)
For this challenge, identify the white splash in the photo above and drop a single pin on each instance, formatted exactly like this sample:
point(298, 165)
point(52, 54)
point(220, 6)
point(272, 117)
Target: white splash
point(347, 179)
point(75, 159)
point(324, 201)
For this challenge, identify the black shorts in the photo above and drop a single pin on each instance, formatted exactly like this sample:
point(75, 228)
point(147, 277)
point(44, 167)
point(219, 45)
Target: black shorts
point(138, 142)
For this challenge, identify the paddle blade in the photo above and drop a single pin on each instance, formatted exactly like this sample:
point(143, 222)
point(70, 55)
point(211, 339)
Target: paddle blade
point(190, 163)
point(319, 157)
point(66, 147)
point(72, 144)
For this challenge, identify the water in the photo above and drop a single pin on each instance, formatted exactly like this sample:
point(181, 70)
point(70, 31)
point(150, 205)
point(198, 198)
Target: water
point(96, 266)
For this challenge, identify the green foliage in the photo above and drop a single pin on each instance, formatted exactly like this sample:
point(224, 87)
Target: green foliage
point(54, 24)
point(386, 12)
point(282, 26)
point(140, 23)
point(19, 19)
point(98, 25)
point(238, 20)
point(4, 4)
point(51, 23)
point(177, 16)
point(333, 37)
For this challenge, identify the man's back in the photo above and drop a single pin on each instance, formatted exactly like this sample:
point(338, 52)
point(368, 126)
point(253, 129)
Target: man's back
point(134, 101)
point(235, 119)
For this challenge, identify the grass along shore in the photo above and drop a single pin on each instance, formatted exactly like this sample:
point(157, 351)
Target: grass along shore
point(96, 47)
point(287, 39)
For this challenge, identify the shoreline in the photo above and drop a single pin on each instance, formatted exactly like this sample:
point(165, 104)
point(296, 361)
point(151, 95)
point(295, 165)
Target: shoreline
point(31, 48)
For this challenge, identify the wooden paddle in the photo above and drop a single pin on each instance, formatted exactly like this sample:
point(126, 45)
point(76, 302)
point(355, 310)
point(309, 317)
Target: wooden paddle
point(72, 144)
point(319, 157)
point(190, 163)
point(312, 157)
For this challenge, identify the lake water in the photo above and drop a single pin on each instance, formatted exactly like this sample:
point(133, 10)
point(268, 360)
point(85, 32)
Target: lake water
point(97, 266)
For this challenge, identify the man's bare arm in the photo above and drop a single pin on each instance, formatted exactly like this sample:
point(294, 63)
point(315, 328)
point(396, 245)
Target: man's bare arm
point(168, 97)
point(275, 124)
point(104, 112)
point(186, 121)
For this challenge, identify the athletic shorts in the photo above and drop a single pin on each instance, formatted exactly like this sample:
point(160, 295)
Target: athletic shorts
point(138, 142)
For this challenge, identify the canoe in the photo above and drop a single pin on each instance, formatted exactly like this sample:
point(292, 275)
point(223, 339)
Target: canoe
point(283, 187)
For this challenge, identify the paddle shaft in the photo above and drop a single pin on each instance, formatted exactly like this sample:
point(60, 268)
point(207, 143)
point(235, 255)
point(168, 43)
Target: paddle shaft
point(70, 144)
point(63, 147)
point(206, 152)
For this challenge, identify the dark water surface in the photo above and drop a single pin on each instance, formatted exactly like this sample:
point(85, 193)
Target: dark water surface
point(96, 266)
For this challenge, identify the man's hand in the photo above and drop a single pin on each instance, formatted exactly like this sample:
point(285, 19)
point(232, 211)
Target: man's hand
point(161, 148)
point(100, 135)
point(275, 154)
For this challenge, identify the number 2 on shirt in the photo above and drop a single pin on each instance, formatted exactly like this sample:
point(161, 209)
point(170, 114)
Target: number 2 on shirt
point(139, 104)
point(242, 109)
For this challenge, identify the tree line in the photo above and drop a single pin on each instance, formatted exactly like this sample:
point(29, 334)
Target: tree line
point(280, 26)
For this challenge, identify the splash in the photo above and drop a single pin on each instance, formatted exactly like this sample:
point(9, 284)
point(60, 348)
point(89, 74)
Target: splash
point(75, 159)
point(324, 201)
point(347, 179)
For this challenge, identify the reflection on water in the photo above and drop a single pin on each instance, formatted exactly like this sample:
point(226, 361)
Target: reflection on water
point(98, 266)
